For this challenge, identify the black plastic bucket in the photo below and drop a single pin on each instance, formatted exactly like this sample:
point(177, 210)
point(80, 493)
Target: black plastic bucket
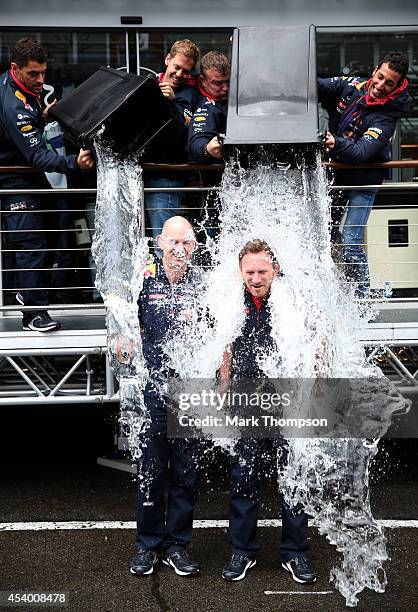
point(132, 108)
point(272, 104)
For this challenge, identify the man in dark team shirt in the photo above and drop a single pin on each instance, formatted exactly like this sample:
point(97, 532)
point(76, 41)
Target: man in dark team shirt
point(259, 268)
point(22, 143)
point(209, 124)
point(209, 119)
point(170, 146)
point(166, 304)
point(363, 116)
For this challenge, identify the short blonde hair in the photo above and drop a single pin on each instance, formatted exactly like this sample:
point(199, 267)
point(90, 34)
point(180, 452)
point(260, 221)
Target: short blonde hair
point(185, 47)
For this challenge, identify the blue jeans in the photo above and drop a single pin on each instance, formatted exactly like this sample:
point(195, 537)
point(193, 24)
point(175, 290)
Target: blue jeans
point(360, 204)
point(162, 205)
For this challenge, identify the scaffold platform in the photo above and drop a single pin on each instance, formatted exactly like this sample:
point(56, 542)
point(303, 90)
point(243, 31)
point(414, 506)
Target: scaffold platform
point(395, 323)
point(64, 366)
point(79, 331)
point(70, 365)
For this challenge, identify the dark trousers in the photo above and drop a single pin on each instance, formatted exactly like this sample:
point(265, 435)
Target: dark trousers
point(63, 240)
point(245, 467)
point(155, 530)
point(23, 224)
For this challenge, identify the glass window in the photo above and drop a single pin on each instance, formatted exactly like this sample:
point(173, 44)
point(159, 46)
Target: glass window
point(159, 43)
point(398, 235)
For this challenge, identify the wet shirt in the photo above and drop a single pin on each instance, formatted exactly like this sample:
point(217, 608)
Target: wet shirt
point(255, 338)
point(21, 136)
point(208, 121)
point(362, 127)
point(164, 309)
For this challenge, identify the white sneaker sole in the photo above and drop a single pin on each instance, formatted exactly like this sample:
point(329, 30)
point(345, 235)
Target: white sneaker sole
point(295, 578)
point(179, 572)
point(143, 573)
point(249, 565)
point(30, 327)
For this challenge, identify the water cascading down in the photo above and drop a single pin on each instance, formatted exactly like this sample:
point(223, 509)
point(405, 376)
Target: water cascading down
point(273, 188)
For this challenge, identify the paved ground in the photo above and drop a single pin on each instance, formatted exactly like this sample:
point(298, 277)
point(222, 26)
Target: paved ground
point(92, 567)
point(46, 478)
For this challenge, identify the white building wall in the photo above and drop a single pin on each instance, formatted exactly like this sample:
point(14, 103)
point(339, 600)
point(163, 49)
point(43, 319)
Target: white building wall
point(214, 13)
point(396, 265)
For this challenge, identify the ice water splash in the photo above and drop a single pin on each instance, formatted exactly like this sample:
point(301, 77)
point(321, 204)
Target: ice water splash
point(317, 325)
point(120, 254)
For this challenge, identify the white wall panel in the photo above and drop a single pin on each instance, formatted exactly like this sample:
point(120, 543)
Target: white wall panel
point(213, 13)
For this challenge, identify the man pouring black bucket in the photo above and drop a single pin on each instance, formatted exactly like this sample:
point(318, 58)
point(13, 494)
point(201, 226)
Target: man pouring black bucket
point(21, 143)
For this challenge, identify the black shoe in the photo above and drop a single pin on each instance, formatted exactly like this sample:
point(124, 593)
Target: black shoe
point(19, 299)
point(143, 562)
point(301, 569)
point(182, 563)
point(237, 567)
point(41, 322)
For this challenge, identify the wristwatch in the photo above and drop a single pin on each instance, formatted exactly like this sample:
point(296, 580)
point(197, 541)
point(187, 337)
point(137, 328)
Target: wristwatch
point(205, 151)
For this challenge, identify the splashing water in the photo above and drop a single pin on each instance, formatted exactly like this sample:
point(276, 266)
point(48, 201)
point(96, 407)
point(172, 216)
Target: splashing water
point(120, 254)
point(317, 325)
point(314, 318)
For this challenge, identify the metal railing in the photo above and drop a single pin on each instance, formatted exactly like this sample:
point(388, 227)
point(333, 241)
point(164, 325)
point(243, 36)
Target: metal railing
point(71, 192)
point(187, 167)
point(34, 381)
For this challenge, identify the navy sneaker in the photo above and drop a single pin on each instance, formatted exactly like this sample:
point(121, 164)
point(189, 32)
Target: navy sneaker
point(301, 569)
point(182, 563)
point(19, 299)
point(143, 562)
point(41, 322)
point(237, 567)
